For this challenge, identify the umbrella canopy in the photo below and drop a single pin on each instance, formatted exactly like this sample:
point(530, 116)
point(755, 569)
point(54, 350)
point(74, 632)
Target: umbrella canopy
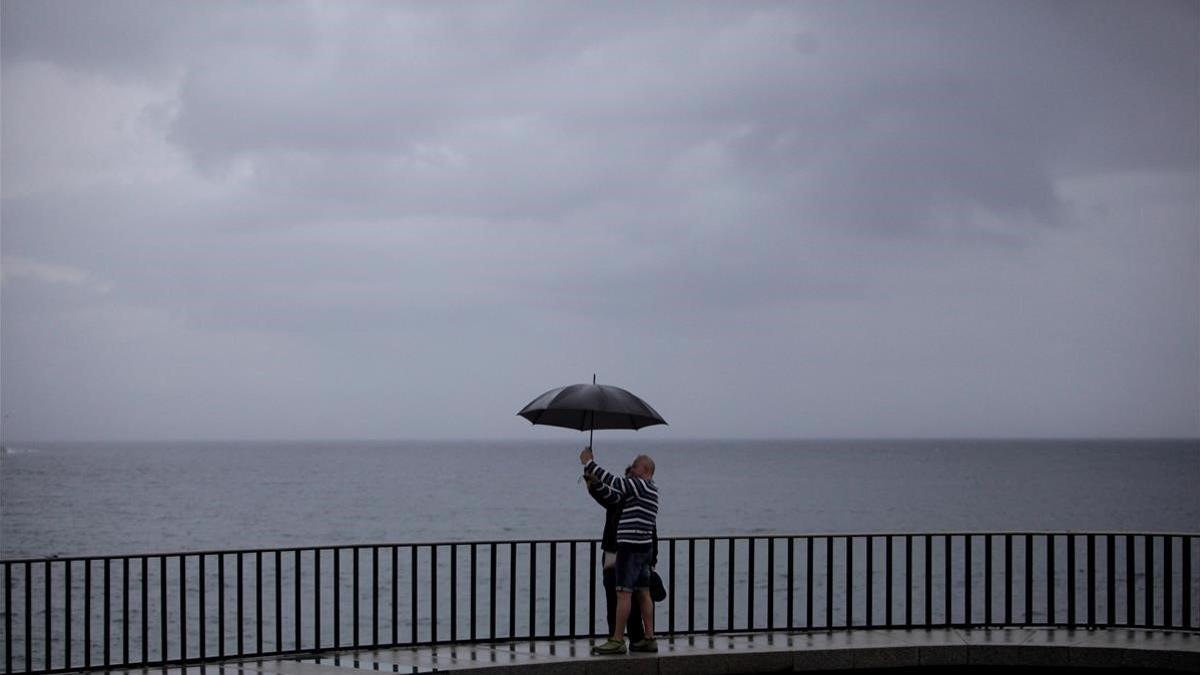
point(591, 406)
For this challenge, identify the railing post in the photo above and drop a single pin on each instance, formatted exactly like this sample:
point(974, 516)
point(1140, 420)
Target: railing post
point(750, 545)
point(829, 582)
point(553, 581)
point(1050, 618)
point(571, 603)
point(791, 583)
point(691, 585)
point(474, 582)
point(870, 596)
point(849, 582)
point(808, 582)
point(987, 579)
point(337, 597)
point(1071, 581)
point(1110, 578)
point(8, 641)
point(1149, 576)
point(730, 584)
point(1168, 582)
point(908, 579)
point(1130, 581)
point(671, 595)
point(770, 583)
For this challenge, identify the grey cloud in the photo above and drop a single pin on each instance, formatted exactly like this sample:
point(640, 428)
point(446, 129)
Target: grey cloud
point(876, 198)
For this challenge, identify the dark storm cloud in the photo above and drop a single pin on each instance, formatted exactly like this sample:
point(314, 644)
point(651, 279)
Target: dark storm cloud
point(283, 196)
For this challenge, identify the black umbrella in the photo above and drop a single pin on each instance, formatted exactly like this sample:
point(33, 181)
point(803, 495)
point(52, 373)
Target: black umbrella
point(588, 407)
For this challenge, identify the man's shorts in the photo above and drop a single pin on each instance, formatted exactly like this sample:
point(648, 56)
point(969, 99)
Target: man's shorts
point(633, 568)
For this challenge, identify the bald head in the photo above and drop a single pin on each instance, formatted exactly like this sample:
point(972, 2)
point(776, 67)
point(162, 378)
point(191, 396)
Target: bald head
point(643, 466)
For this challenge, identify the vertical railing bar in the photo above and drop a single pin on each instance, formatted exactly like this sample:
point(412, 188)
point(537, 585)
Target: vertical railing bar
point(829, 582)
point(1050, 618)
point(297, 574)
point(532, 589)
point(770, 583)
point(47, 586)
point(512, 590)
point(1008, 579)
point(908, 579)
point(1091, 580)
point(691, 585)
point(870, 618)
point(889, 584)
point(553, 581)
point(67, 592)
point(278, 600)
point(375, 596)
point(87, 613)
point(571, 603)
point(454, 591)
point(241, 563)
point(849, 582)
point(1110, 578)
point(671, 598)
point(948, 569)
point(318, 615)
point(354, 591)
point(201, 609)
point(258, 602)
point(750, 545)
point(1186, 590)
point(968, 573)
point(220, 607)
point(162, 607)
point(8, 634)
point(1168, 581)
point(492, 591)
point(1130, 581)
point(712, 577)
point(29, 616)
point(928, 580)
point(808, 582)
point(1071, 580)
point(987, 579)
point(182, 608)
point(108, 609)
point(433, 594)
point(337, 597)
point(395, 595)
point(791, 583)
point(1149, 576)
point(1028, 579)
point(591, 589)
point(413, 590)
point(732, 552)
point(474, 580)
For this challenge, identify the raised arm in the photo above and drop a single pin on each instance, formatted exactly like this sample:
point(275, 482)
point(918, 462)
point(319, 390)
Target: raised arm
point(603, 494)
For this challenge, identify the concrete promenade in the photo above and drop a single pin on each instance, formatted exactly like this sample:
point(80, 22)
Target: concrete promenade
point(942, 649)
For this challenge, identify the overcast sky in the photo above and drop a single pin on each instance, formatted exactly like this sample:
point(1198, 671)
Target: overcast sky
point(313, 220)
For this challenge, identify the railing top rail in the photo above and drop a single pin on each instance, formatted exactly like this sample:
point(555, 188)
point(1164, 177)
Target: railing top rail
point(584, 540)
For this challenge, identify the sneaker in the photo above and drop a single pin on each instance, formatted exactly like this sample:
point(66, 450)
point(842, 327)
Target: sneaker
point(610, 647)
point(648, 645)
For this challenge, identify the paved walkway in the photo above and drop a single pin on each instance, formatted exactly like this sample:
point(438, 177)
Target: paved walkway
point(762, 652)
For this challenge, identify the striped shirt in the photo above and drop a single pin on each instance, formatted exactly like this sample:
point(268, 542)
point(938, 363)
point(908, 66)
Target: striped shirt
point(639, 504)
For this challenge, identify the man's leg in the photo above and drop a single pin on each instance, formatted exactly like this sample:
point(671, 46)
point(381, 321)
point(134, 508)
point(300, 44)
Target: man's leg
point(624, 601)
point(633, 626)
point(610, 597)
point(647, 613)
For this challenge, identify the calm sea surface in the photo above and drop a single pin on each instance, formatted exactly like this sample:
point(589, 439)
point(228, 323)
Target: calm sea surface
point(110, 498)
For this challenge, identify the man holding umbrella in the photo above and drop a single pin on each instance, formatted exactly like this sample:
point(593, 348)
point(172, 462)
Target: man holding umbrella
point(635, 535)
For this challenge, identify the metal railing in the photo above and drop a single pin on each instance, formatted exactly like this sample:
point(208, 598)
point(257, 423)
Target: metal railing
point(184, 607)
